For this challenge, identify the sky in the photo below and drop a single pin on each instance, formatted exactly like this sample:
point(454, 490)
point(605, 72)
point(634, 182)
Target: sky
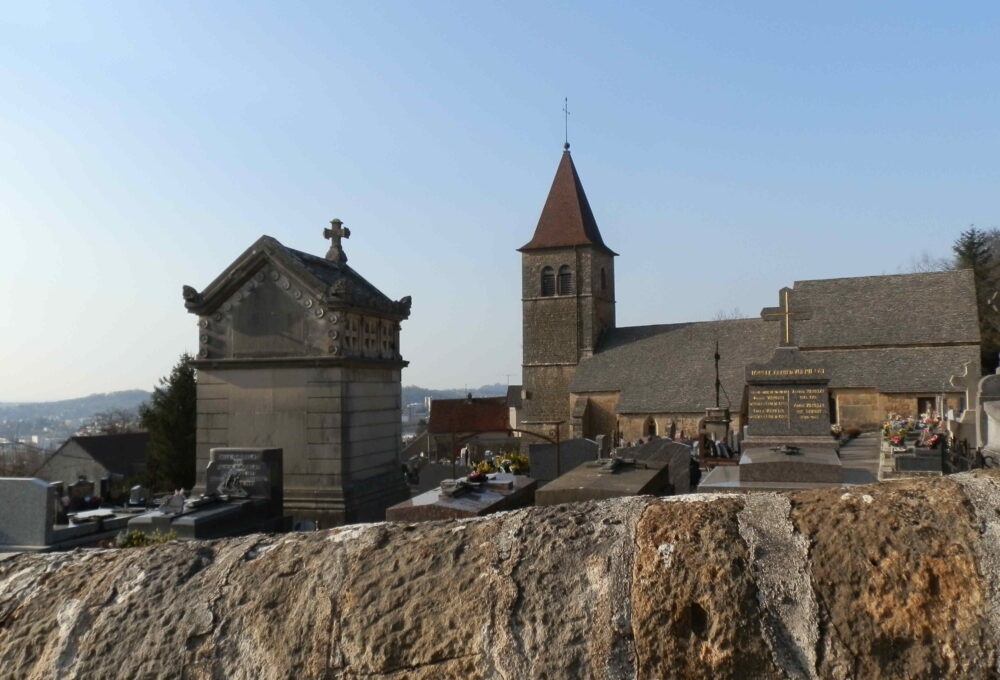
point(728, 149)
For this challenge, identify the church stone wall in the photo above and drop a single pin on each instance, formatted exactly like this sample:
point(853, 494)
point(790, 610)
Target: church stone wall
point(559, 330)
point(633, 424)
point(868, 409)
point(548, 396)
point(597, 305)
point(550, 331)
point(601, 417)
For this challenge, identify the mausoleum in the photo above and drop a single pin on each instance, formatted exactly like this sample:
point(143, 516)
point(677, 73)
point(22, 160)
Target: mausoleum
point(301, 353)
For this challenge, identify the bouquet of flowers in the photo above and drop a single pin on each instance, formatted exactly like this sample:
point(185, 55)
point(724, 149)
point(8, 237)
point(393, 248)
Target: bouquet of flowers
point(477, 477)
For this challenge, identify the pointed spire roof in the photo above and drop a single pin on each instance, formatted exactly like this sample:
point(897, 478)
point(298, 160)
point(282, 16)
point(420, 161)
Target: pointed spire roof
point(566, 218)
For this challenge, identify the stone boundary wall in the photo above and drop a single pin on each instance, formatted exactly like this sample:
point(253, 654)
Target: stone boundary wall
point(897, 580)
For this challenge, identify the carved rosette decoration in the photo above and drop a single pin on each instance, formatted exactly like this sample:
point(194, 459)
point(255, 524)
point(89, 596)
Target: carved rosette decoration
point(335, 333)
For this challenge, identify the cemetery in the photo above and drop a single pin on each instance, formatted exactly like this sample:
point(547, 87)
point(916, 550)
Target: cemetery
point(738, 418)
point(243, 495)
point(585, 552)
point(36, 515)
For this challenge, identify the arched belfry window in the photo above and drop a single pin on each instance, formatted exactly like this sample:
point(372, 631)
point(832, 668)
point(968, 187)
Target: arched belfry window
point(548, 282)
point(565, 280)
point(604, 279)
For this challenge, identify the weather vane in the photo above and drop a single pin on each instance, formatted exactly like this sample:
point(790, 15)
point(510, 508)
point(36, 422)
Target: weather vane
point(566, 121)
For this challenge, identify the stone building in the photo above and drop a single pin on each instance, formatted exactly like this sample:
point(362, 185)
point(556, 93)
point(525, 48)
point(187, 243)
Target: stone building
point(478, 423)
point(302, 353)
point(568, 300)
point(97, 457)
point(891, 342)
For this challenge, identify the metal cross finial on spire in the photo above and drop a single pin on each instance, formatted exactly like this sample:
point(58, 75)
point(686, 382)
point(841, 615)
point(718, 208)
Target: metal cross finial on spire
point(566, 122)
point(336, 232)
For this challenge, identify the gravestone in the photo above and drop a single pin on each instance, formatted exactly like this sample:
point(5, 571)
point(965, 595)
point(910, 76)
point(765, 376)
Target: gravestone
point(991, 448)
point(787, 443)
point(173, 505)
point(243, 495)
point(60, 502)
point(138, 496)
point(111, 489)
point(926, 462)
point(788, 401)
point(607, 478)
point(503, 491)
point(245, 473)
point(29, 519)
point(81, 493)
point(988, 392)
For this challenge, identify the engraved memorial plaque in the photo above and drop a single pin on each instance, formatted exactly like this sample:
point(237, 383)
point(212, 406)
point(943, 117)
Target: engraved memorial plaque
point(788, 396)
point(245, 473)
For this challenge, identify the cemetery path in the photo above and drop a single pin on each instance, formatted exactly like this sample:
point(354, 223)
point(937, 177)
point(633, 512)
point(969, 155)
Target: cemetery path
point(862, 454)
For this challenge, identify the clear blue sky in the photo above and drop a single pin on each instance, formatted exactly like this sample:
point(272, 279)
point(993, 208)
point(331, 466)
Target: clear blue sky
point(728, 149)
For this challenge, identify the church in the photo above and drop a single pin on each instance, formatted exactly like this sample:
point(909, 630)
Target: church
point(586, 376)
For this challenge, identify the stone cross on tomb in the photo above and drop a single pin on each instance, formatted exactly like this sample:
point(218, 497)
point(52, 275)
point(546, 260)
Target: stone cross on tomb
point(785, 314)
point(968, 382)
point(335, 233)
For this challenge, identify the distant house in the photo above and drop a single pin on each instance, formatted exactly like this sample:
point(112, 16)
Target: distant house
point(477, 422)
point(96, 457)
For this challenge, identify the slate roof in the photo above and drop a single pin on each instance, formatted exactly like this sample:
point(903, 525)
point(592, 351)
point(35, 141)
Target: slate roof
point(566, 219)
point(514, 396)
point(898, 309)
point(928, 321)
point(572, 453)
point(121, 454)
point(480, 414)
point(330, 273)
point(325, 279)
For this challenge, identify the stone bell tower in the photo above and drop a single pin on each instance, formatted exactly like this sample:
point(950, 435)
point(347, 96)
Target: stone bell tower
point(301, 352)
point(568, 298)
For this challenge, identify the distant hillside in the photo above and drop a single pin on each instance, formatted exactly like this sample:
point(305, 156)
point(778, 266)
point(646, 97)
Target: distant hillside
point(73, 409)
point(413, 393)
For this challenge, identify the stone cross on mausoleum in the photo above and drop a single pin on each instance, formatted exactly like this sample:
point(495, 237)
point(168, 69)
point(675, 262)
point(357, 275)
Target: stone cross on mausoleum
point(335, 233)
point(785, 313)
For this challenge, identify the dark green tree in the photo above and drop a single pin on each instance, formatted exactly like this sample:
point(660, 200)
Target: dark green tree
point(973, 251)
point(979, 250)
point(170, 419)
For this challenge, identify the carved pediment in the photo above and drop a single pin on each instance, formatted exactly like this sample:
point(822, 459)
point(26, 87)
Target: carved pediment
point(278, 302)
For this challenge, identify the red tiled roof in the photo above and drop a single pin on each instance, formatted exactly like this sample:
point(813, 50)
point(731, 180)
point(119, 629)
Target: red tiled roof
point(566, 218)
point(465, 415)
